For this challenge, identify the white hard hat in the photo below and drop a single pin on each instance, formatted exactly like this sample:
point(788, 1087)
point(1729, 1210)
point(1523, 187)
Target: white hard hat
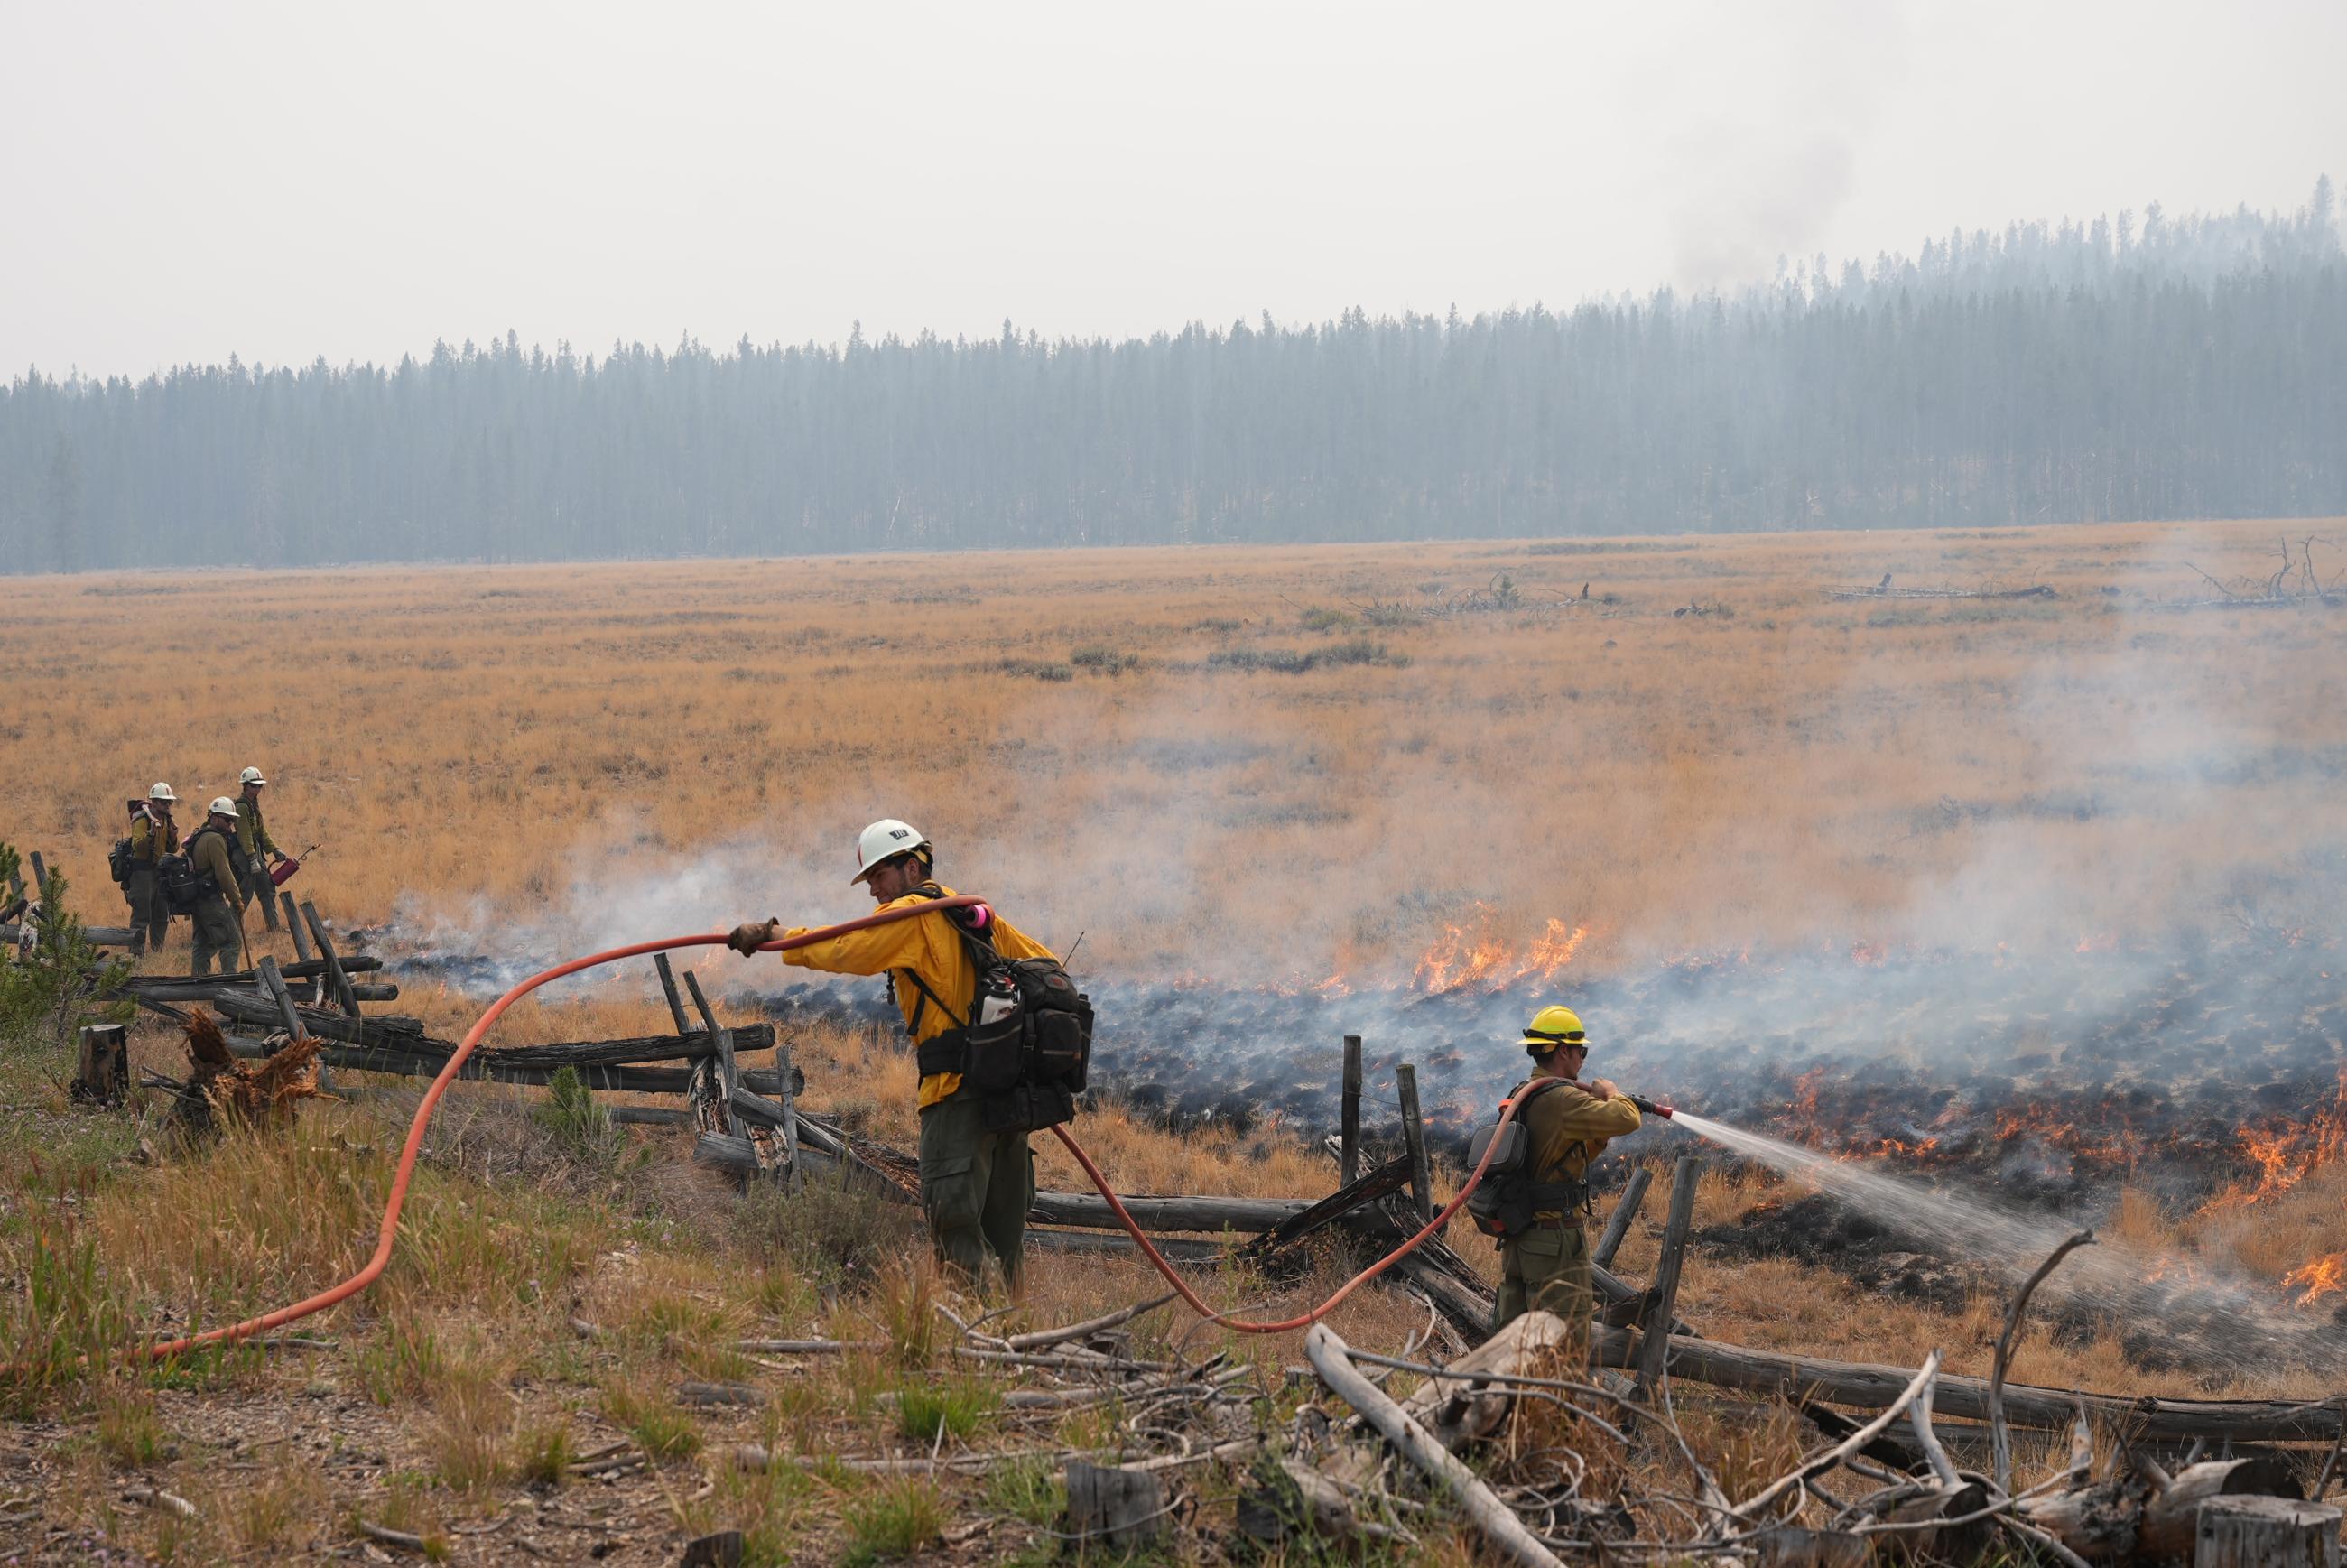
point(251, 775)
point(224, 806)
point(885, 840)
point(162, 792)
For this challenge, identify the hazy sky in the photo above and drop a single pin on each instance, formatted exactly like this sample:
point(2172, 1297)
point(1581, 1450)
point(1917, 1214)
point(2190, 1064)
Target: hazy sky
point(180, 182)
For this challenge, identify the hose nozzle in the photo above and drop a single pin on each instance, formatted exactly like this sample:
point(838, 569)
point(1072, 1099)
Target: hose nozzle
point(1651, 1107)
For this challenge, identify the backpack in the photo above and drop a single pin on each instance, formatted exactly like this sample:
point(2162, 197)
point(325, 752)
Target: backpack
point(118, 861)
point(1023, 1047)
point(183, 886)
point(1505, 1201)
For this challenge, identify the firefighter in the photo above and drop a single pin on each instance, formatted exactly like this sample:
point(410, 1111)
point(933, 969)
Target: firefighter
point(252, 840)
point(218, 914)
point(976, 1187)
point(1545, 1268)
point(153, 834)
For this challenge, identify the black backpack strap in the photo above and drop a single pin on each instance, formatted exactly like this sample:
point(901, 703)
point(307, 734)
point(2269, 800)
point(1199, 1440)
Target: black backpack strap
point(928, 997)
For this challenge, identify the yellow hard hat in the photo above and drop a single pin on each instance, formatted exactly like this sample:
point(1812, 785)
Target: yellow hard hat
point(1552, 1027)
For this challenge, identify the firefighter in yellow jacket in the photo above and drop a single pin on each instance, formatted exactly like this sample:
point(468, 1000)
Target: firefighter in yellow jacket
point(1546, 1266)
point(976, 1187)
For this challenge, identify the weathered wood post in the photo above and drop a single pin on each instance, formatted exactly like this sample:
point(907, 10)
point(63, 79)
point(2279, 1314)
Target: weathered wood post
point(1413, 1137)
point(103, 1071)
point(40, 876)
point(342, 982)
point(723, 1038)
point(1654, 1341)
point(1349, 1133)
point(668, 984)
point(1116, 1507)
point(789, 1097)
point(272, 982)
point(1625, 1209)
point(293, 924)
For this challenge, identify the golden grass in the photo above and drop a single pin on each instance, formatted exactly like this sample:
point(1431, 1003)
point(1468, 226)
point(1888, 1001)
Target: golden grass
point(501, 742)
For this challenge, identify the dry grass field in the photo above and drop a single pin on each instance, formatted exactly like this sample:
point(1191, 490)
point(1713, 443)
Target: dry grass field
point(1269, 766)
point(1086, 739)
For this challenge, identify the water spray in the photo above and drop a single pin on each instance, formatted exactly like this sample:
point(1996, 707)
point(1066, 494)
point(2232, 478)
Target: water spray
point(2226, 1320)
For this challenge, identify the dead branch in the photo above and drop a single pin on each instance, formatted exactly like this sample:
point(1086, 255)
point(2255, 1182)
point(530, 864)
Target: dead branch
point(1848, 1446)
point(1090, 1326)
point(2000, 1438)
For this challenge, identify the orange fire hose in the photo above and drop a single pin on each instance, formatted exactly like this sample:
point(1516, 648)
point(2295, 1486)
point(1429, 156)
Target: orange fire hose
point(397, 1197)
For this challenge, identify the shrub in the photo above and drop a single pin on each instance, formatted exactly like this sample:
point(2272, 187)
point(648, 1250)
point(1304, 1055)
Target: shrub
point(64, 984)
point(897, 1519)
point(1040, 671)
point(577, 1121)
point(1106, 659)
point(1363, 651)
point(660, 1428)
point(1288, 661)
point(1320, 617)
point(1281, 661)
point(956, 1408)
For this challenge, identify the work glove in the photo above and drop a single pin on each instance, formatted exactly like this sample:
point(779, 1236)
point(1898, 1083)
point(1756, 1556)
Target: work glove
point(747, 939)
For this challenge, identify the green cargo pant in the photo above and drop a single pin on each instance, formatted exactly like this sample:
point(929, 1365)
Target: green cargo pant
point(1546, 1269)
point(975, 1188)
point(217, 935)
point(150, 916)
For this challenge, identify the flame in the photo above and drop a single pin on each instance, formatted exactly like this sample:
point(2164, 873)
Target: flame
point(1477, 953)
point(2285, 1154)
point(2320, 1277)
point(2097, 942)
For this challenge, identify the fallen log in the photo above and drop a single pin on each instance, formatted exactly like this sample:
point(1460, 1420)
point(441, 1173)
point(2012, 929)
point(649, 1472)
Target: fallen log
point(306, 969)
point(179, 989)
point(1207, 1215)
point(405, 1036)
point(398, 1032)
point(1868, 1386)
point(489, 1066)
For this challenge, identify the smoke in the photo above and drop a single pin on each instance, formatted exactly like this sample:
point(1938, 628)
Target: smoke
point(1247, 889)
point(1764, 185)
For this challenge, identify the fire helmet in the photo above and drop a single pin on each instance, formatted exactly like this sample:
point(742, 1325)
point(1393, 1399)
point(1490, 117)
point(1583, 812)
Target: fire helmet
point(223, 806)
point(251, 775)
point(885, 840)
point(162, 792)
point(1552, 1027)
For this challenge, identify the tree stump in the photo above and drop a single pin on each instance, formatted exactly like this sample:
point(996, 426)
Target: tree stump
point(103, 1073)
point(2266, 1532)
point(1122, 1507)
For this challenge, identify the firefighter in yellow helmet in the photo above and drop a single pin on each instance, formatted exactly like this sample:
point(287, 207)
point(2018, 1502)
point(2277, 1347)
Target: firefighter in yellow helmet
point(1567, 1124)
point(976, 1185)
